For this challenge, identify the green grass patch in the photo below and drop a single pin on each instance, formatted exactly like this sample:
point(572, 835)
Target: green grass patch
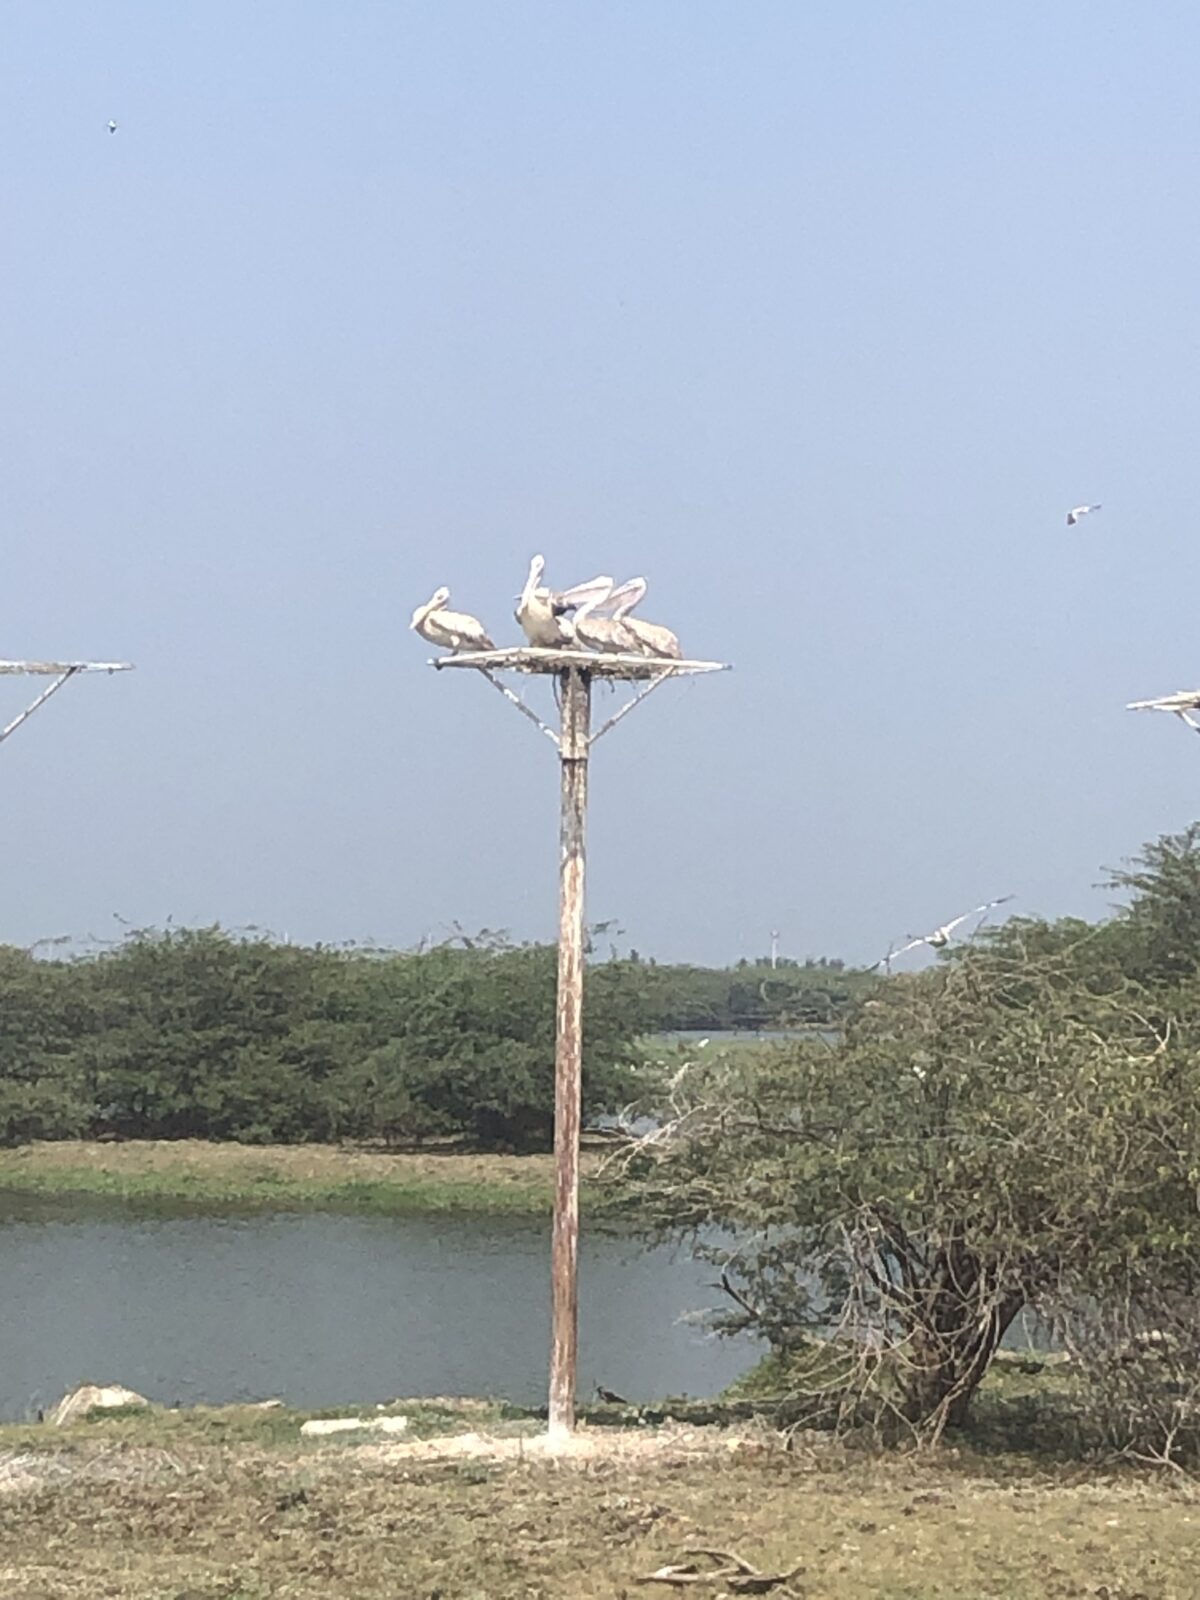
point(192, 1174)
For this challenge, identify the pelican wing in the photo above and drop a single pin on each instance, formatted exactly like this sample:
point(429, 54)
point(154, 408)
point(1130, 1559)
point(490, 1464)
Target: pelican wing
point(604, 633)
point(630, 594)
point(592, 593)
point(653, 639)
point(1001, 900)
point(455, 630)
point(949, 927)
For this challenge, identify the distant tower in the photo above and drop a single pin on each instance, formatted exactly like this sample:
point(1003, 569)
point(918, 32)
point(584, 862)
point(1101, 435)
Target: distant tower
point(774, 947)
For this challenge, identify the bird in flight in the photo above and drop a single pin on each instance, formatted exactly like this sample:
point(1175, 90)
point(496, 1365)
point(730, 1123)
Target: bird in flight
point(940, 937)
point(1076, 512)
point(112, 127)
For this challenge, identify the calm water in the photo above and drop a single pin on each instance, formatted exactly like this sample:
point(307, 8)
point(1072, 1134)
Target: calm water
point(329, 1310)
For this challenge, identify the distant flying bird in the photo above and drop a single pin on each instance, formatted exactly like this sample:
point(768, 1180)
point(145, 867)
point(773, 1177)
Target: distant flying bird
point(112, 127)
point(940, 937)
point(453, 630)
point(1076, 512)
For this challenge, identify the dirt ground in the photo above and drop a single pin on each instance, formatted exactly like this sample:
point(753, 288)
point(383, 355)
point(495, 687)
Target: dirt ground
point(230, 1505)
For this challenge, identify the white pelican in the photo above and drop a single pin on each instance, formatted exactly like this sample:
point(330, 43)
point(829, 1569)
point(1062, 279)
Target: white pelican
point(940, 937)
point(608, 634)
point(1076, 512)
point(541, 611)
point(650, 638)
point(453, 630)
point(112, 127)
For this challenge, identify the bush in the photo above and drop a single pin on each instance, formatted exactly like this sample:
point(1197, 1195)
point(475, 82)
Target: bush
point(194, 1033)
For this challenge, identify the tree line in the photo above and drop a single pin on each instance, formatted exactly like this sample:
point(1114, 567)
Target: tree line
point(753, 995)
point(200, 1033)
point(197, 1033)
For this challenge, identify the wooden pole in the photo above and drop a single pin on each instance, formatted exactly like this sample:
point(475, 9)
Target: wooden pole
point(576, 696)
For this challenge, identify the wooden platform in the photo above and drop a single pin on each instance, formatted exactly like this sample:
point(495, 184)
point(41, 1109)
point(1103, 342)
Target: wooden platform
point(1182, 700)
point(55, 669)
point(598, 664)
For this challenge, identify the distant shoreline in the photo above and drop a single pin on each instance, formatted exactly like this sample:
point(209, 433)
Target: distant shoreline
point(198, 1173)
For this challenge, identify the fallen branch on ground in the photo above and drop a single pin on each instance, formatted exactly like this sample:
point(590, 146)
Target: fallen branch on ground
point(731, 1571)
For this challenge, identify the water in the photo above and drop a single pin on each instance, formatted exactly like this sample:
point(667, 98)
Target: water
point(326, 1310)
point(717, 1039)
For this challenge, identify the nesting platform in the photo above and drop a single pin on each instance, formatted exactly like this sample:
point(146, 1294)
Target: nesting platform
point(598, 664)
point(60, 672)
point(1182, 700)
point(58, 669)
point(1181, 703)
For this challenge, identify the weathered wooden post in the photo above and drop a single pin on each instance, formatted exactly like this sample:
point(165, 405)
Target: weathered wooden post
point(575, 671)
point(575, 693)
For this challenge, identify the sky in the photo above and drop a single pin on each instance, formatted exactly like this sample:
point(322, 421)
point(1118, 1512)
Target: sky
point(821, 317)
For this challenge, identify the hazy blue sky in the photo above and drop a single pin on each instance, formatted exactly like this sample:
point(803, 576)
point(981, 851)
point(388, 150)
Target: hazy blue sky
point(820, 316)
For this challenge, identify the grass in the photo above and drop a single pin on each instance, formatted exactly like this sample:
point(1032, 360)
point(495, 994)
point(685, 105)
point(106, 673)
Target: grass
point(1029, 1402)
point(193, 1173)
point(230, 1504)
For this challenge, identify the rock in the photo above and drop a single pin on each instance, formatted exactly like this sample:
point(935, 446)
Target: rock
point(322, 1425)
point(75, 1406)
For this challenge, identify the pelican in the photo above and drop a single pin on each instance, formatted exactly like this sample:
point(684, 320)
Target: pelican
point(940, 937)
point(453, 630)
point(608, 634)
point(650, 638)
point(112, 127)
point(1076, 512)
point(541, 611)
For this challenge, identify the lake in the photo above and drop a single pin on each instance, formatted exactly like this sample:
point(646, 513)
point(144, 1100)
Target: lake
point(324, 1310)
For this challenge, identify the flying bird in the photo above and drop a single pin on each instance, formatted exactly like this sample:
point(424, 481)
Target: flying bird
point(112, 127)
point(453, 630)
point(940, 937)
point(1076, 512)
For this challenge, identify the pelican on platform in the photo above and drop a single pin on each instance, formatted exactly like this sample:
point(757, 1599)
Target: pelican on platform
point(609, 634)
point(542, 612)
point(452, 630)
point(650, 638)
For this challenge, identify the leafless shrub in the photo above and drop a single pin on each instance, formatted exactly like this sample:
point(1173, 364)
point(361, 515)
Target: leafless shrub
point(1137, 1353)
